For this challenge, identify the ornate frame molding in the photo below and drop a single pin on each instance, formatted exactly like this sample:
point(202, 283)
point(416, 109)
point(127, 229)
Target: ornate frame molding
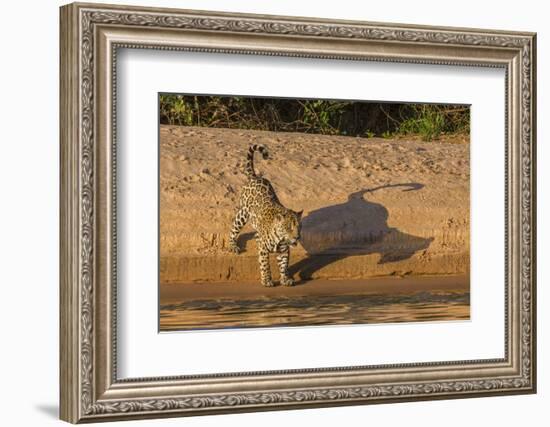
point(90, 36)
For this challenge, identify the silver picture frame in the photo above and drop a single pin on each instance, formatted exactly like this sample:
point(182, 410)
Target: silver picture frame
point(90, 37)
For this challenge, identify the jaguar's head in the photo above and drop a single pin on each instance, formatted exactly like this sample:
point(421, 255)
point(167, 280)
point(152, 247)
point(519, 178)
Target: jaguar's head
point(290, 226)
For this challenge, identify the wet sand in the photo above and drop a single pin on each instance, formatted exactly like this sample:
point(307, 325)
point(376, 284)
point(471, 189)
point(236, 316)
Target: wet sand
point(315, 302)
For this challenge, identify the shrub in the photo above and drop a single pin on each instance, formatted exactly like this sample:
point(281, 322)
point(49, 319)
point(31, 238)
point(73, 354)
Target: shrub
point(328, 117)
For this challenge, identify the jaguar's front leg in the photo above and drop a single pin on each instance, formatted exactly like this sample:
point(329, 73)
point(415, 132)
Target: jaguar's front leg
point(282, 260)
point(265, 271)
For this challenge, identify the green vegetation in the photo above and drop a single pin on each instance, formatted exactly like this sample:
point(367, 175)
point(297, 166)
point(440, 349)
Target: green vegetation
point(327, 117)
point(430, 121)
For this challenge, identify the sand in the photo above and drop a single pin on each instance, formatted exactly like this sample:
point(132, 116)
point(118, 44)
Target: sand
point(372, 207)
point(174, 293)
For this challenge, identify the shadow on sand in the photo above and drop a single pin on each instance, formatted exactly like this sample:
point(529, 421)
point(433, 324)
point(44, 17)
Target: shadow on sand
point(356, 227)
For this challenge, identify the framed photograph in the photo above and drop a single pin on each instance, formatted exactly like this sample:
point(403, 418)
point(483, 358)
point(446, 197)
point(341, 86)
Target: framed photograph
point(266, 212)
point(339, 257)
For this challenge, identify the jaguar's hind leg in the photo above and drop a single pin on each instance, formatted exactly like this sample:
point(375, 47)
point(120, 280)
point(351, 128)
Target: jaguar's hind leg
point(282, 260)
point(241, 216)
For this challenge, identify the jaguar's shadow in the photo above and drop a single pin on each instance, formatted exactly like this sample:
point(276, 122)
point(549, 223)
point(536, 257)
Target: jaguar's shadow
point(244, 238)
point(356, 227)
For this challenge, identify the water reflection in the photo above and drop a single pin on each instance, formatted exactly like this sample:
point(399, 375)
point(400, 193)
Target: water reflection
point(315, 310)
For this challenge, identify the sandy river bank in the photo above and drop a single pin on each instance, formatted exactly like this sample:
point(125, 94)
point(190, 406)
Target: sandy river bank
point(372, 207)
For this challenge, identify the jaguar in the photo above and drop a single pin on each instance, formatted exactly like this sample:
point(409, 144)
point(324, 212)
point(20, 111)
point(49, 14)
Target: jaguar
point(277, 227)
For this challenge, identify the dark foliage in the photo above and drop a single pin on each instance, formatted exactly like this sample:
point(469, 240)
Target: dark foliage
point(328, 117)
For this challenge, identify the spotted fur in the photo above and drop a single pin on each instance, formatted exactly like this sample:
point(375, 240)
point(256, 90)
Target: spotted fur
point(277, 228)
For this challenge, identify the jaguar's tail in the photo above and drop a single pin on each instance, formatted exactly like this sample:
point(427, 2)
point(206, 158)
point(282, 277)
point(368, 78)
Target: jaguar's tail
point(249, 169)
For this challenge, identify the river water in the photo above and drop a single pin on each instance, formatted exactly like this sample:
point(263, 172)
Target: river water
point(311, 310)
